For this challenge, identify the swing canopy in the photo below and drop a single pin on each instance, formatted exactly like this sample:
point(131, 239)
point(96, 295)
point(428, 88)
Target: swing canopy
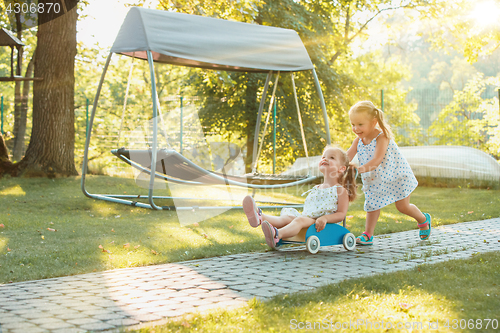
point(205, 42)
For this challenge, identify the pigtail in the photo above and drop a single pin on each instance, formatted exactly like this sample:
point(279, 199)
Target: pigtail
point(348, 181)
point(384, 126)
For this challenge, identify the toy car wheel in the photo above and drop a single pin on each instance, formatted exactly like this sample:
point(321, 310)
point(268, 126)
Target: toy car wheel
point(312, 244)
point(349, 242)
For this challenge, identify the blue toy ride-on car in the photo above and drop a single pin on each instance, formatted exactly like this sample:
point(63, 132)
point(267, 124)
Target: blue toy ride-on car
point(333, 234)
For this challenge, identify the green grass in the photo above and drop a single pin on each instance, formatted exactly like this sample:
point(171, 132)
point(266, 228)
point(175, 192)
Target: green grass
point(446, 294)
point(93, 235)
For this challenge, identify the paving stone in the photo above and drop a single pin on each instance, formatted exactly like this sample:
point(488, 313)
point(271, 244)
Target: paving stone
point(67, 314)
point(56, 326)
point(8, 319)
point(110, 316)
point(92, 313)
point(83, 321)
point(25, 329)
point(69, 330)
point(169, 313)
point(23, 311)
point(122, 322)
point(202, 302)
point(14, 306)
point(45, 320)
point(87, 307)
point(72, 303)
point(35, 314)
point(103, 303)
point(145, 317)
point(98, 326)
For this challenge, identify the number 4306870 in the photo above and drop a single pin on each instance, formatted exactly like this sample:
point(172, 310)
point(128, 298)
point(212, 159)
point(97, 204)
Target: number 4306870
point(471, 324)
point(33, 8)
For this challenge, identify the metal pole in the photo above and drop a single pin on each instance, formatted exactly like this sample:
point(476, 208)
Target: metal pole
point(382, 99)
point(323, 107)
point(87, 119)
point(180, 149)
point(91, 122)
point(154, 95)
point(304, 142)
point(274, 138)
point(1, 126)
point(271, 103)
point(257, 124)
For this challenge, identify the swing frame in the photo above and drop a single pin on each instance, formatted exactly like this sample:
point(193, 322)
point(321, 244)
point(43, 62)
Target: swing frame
point(153, 174)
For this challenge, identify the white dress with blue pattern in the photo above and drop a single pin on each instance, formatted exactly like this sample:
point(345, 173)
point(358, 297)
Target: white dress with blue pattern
point(319, 202)
point(391, 181)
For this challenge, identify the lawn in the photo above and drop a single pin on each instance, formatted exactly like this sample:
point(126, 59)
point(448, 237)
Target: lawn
point(48, 228)
point(453, 296)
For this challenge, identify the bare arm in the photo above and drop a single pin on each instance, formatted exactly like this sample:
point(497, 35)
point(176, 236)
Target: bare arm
point(380, 150)
point(339, 215)
point(352, 151)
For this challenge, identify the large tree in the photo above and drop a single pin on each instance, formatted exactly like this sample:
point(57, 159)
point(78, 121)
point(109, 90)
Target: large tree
point(51, 147)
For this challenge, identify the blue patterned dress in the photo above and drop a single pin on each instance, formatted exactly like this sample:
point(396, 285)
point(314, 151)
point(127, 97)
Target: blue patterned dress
point(391, 181)
point(319, 202)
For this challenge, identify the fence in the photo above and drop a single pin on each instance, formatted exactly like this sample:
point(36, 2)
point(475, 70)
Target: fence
point(430, 103)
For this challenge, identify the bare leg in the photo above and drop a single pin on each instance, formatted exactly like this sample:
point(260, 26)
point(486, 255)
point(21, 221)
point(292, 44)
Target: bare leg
point(252, 212)
point(294, 227)
point(278, 221)
point(405, 207)
point(371, 221)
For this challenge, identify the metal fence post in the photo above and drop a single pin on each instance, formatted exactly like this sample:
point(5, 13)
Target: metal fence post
point(87, 119)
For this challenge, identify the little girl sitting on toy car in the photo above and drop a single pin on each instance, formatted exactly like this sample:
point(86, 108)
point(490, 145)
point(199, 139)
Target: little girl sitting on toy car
point(325, 203)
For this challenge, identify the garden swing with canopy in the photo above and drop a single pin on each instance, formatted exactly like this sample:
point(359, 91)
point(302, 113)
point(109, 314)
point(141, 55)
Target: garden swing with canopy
point(195, 41)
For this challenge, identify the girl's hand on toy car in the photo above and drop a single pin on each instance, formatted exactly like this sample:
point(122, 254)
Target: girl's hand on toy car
point(320, 223)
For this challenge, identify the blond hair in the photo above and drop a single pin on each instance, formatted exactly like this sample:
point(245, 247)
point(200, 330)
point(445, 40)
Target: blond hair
point(370, 109)
point(348, 179)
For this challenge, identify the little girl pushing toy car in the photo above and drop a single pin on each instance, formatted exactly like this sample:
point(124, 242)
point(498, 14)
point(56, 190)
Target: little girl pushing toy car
point(325, 203)
point(387, 177)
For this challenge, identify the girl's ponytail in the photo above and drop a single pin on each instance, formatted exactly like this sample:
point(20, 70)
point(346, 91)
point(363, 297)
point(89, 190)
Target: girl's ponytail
point(348, 178)
point(385, 127)
point(349, 181)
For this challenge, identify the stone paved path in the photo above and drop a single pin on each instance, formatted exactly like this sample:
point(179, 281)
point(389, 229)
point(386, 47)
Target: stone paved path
point(148, 295)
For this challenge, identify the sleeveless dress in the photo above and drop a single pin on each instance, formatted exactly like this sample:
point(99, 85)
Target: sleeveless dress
point(319, 202)
point(391, 181)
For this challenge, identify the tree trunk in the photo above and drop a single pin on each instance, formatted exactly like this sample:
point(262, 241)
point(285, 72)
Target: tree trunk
point(52, 143)
point(18, 130)
point(6, 166)
point(17, 122)
point(21, 115)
